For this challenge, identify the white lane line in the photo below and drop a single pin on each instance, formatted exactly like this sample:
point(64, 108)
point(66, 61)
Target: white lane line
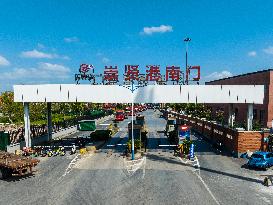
point(167, 145)
point(207, 188)
point(112, 145)
point(197, 164)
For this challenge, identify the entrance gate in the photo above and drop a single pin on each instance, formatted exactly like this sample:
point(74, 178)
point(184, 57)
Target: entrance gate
point(231, 94)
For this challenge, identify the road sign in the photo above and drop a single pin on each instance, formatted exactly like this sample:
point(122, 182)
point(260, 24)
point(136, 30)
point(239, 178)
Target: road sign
point(183, 133)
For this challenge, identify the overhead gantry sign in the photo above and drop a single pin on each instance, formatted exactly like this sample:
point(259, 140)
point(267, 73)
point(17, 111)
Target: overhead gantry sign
point(231, 94)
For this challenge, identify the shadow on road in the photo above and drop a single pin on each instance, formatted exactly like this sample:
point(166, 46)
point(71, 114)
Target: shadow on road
point(158, 158)
point(231, 175)
point(19, 178)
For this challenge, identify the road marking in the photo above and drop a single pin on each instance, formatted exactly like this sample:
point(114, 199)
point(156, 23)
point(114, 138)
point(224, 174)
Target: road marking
point(196, 164)
point(207, 188)
point(70, 166)
point(167, 145)
point(132, 166)
point(112, 145)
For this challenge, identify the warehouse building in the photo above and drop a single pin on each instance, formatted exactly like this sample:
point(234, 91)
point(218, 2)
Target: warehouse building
point(262, 113)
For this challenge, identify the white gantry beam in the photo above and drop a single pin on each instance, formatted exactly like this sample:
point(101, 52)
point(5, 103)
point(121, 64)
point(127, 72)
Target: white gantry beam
point(251, 94)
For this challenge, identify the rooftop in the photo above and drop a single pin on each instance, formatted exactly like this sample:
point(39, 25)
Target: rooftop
point(245, 74)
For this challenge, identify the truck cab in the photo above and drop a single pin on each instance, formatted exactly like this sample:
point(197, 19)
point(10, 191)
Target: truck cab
point(120, 115)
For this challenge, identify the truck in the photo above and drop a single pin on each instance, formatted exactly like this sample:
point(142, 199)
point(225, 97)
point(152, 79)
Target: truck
point(86, 125)
point(170, 126)
point(120, 115)
point(140, 128)
point(12, 164)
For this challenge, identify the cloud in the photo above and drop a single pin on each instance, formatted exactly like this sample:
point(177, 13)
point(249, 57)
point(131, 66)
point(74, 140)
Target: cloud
point(40, 45)
point(218, 75)
point(36, 54)
point(4, 61)
point(268, 50)
point(252, 53)
point(159, 29)
point(99, 54)
point(102, 57)
point(43, 71)
point(105, 60)
point(71, 39)
point(65, 57)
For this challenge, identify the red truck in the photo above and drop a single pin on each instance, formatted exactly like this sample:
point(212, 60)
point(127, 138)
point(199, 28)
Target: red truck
point(120, 115)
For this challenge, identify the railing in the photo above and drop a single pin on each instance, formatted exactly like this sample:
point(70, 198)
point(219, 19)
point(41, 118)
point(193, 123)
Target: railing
point(17, 132)
point(234, 141)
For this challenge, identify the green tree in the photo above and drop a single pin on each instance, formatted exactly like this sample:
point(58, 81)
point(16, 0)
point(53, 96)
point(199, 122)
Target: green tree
point(37, 111)
point(11, 111)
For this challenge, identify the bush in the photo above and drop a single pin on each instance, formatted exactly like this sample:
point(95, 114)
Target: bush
point(136, 145)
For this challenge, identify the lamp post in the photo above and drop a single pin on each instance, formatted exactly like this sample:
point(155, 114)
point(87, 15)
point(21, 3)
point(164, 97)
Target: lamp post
point(132, 121)
point(132, 88)
point(187, 40)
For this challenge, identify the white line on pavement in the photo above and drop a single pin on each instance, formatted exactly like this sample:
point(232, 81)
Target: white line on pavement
point(207, 188)
point(197, 164)
point(112, 145)
point(167, 145)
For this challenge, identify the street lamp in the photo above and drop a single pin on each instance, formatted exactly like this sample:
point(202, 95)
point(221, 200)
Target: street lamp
point(132, 87)
point(187, 40)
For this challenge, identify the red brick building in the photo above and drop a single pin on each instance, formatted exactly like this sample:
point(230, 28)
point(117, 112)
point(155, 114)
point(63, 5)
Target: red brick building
point(262, 114)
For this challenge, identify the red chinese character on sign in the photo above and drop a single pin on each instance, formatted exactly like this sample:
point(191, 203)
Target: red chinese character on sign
point(173, 73)
point(131, 72)
point(110, 75)
point(153, 74)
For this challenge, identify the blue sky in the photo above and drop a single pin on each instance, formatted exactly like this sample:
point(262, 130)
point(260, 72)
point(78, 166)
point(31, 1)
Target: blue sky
point(46, 41)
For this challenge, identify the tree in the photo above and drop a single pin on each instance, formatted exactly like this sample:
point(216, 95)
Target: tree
point(12, 112)
point(37, 111)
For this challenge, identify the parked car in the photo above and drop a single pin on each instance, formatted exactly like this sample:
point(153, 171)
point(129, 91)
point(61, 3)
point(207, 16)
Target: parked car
point(261, 160)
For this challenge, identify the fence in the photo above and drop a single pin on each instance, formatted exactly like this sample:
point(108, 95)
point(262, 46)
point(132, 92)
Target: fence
point(17, 132)
point(235, 142)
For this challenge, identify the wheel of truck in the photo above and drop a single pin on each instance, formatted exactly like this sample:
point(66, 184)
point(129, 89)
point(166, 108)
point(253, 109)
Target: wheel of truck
point(1, 174)
point(5, 173)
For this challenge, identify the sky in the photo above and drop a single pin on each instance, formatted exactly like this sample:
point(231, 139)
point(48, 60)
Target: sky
point(46, 41)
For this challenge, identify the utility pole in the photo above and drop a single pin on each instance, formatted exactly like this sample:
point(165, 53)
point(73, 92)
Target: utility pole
point(187, 40)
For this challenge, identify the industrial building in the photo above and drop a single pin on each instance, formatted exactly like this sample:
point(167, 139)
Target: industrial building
point(262, 113)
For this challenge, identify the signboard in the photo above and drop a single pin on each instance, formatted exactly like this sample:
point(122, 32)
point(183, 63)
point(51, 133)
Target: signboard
point(110, 76)
point(183, 133)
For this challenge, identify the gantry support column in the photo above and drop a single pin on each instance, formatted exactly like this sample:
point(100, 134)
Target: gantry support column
point(49, 122)
point(231, 115)
point(27, 124)
point(249, 117)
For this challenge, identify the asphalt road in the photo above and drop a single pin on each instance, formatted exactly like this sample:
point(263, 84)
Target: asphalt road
point(106, 178)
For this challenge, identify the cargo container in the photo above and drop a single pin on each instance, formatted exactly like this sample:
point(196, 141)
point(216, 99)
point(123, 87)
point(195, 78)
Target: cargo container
point(87, 125)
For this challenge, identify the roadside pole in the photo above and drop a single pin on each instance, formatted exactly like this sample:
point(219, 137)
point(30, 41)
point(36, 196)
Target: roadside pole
point(133, 143)
point(140, 140)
